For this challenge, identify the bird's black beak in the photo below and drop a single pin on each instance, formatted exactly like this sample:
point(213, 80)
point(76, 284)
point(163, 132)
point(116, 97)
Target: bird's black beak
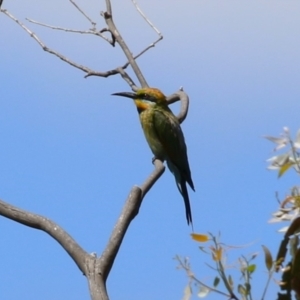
point(125, 94)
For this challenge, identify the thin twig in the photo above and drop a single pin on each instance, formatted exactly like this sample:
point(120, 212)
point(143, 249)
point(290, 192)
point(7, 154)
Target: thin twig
point(125, 66)
point(62, 57)
point(128, 79)
point(149, 47)
point(146, 19)
point(90, 31)
point(85, 15)
point(113, 29)
point(221, 271)
point(85, 69)
point(192, 277)
point(151, 25)
point(267, 284)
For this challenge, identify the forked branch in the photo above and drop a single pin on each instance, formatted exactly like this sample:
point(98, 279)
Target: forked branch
point(99, 33)
point(97, 269)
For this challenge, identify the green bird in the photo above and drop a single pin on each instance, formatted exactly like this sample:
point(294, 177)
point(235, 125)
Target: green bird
point(164, 136)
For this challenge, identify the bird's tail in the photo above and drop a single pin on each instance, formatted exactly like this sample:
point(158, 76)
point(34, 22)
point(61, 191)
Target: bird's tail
point(184, 192)
point(181, 185)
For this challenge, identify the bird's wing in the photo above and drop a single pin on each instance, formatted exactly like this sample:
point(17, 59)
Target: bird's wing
point(171, 137)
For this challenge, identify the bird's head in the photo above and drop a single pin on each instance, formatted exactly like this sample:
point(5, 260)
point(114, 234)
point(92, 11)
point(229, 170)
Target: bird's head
point(145, 98)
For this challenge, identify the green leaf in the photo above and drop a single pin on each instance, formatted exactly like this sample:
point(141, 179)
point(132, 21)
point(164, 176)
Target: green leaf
point(216, 281)
point(251, 268)
point(247, 287)
point(268, 258)
point(284, 168)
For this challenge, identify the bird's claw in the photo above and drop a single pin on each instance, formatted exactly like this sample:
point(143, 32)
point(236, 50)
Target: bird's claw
point(153, 159)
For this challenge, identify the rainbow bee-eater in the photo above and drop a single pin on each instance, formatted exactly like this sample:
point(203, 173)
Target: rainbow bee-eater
point(164, 136)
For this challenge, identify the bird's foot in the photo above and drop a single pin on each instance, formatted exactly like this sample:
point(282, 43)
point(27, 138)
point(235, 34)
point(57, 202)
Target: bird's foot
point(157, 158)
point(154, 159)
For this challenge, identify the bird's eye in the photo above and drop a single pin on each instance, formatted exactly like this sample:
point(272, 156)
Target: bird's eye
point(148, 97)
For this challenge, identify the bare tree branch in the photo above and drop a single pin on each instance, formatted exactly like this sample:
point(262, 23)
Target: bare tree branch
point(53, 229)
point(128, 213)
point(45, 48)
point(184, 103)
point(90, 31)
point(118, 70)
point(131, 60)
point(93, 30)
point(159, 170)
point(147, 48)
point(113, 29)
point(85, 69)
point(146, 19)
point(130, 210)
point(127, 78)
point(84, 14)
point(62, 57)
point(97, 269)
point(108, 7)
point(96, 282)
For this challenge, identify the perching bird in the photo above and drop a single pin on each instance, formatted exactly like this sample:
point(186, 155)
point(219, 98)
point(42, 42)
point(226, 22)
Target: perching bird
point(164, 136)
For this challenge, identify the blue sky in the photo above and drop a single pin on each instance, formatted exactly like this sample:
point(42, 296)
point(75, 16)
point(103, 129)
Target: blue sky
point(71, 152)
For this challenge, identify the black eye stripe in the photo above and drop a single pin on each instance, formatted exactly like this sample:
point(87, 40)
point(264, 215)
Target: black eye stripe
point(149, 97)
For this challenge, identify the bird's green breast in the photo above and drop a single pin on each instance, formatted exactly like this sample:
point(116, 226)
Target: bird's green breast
point(150, 130)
